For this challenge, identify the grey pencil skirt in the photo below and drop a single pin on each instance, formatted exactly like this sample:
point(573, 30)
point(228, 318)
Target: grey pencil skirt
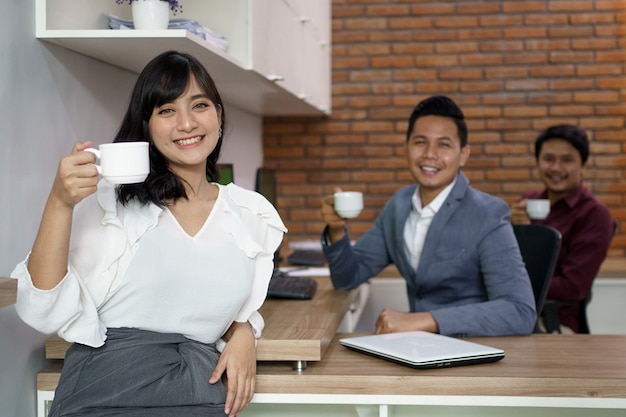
point(139, 373)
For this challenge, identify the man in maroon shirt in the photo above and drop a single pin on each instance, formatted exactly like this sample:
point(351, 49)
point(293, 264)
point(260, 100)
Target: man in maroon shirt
point(586, 225)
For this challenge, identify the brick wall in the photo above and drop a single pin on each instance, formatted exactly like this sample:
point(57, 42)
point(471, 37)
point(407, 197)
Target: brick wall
point(515, 67)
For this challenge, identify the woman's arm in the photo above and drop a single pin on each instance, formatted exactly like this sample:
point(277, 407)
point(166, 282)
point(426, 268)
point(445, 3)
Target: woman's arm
point(239, 361)
point(76, 178)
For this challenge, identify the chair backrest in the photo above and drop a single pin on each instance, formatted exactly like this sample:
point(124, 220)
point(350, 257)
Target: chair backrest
point(539, 246)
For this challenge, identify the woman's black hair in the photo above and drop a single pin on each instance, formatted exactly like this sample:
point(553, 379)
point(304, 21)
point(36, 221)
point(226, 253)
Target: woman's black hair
point(162, 81)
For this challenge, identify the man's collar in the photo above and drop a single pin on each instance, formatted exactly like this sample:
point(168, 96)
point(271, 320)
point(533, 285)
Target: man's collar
point(572, 198)
point(437, 202)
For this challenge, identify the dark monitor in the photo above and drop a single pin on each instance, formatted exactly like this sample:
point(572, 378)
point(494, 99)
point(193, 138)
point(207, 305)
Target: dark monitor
point(266, 184)
point(227, 173)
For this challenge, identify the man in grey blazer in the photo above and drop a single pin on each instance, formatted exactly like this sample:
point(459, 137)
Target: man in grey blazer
point(453, 245)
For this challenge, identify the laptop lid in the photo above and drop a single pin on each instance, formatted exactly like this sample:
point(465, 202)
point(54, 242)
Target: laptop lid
point(419, 349)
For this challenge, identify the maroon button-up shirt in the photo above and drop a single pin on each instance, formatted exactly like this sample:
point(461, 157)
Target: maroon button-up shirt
point(586, 227)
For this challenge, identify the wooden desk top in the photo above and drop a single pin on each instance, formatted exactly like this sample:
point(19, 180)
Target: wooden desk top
point(295, 330)
point(571, 366)
point(537, 365)
point(8, 290)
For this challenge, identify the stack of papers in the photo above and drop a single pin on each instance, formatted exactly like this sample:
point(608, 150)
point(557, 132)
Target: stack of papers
point(191, 26)
point(296, 271)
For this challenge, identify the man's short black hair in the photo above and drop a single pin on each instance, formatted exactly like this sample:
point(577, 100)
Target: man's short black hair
point(439, 106)
point(574, 135)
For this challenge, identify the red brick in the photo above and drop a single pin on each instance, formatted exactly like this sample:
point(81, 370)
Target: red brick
point(547, 19)
point(393, 62)
point(595, 97)
point(481, 86)
point(480, 8)
point(525, 32)
point(369, 24)
point(593, 44)
point(432, 9)
point(513, 6)
point(571, 110)
point(571, 84)
point(387, 10)
point(390, 36)
point(434, 35)
point(455, 22)
point(527, 58)
point(570, 6)
point(482, 60)
point(547, 45)
point(597, 69)
point(610, 5)
point(570, 32)
point(508, 174)
point(479, 33)
point(525, 85)
point(416, 74)
point(437, 87)
point(553, 71)
point(458, 47)
point(500, 20)
point(595, 18)
point(549, 97)
point(617, 56)
point(409, 22)
point(369, 49)
point(461, 73)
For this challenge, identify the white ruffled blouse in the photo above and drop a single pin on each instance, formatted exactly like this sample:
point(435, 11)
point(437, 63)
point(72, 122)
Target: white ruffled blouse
point(134, 266)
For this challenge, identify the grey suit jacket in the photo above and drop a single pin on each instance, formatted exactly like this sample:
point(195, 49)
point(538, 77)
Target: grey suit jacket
point(471, 276)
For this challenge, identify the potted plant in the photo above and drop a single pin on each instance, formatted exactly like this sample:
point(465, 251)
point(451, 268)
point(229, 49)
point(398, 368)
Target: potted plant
point(152, 14)
point(173, 5)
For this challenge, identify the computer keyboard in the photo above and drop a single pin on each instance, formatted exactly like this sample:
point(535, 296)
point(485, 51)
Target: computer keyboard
point(283, 285)
point(306, 257)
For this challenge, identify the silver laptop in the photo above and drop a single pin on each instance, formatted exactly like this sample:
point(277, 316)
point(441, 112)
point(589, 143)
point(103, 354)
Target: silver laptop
point(423, 349)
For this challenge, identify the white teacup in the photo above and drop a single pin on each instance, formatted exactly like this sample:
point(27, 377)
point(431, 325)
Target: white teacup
point(538, 208)
point(348, 203)
point(123, 162)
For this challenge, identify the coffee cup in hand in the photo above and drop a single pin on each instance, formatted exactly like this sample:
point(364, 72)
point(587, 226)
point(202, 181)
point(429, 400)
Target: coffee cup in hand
point(123, 162)
point(538, 209)
point(348, 204)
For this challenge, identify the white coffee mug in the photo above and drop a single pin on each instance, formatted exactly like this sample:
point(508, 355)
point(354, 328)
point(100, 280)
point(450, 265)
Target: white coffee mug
point(538, 208)
point(123, 162)
point(348, 204)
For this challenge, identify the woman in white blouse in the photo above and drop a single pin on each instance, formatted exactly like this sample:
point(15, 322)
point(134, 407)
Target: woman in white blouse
point(151, 281)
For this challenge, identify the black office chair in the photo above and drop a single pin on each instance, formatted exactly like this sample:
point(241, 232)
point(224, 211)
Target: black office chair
point(551, 314)
point(539, 246)
point(551, 308)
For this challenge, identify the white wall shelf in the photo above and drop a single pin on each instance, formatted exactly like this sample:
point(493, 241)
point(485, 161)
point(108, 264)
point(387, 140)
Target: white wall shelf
point(277, 62)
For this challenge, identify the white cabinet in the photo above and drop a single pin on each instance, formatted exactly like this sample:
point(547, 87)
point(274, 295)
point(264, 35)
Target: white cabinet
point(277, 61)
point(291, 44)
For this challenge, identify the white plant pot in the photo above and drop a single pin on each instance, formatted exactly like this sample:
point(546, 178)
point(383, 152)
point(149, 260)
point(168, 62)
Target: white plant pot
point(151, 14)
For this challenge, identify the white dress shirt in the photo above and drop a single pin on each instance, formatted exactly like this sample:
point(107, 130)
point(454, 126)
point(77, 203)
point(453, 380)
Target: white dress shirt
point(418, 222)
point(134, 266)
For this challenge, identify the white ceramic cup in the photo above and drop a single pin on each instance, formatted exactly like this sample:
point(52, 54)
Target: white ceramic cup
point(123, 162)
point(348, 203)
point(538, 208)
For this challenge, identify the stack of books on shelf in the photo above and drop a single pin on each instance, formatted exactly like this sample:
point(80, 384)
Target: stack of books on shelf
point(215, 39)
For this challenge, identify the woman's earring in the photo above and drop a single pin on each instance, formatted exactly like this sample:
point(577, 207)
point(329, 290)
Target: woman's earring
point(219, 132)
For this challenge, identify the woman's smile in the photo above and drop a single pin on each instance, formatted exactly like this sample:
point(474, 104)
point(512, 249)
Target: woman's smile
point(188, 141)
